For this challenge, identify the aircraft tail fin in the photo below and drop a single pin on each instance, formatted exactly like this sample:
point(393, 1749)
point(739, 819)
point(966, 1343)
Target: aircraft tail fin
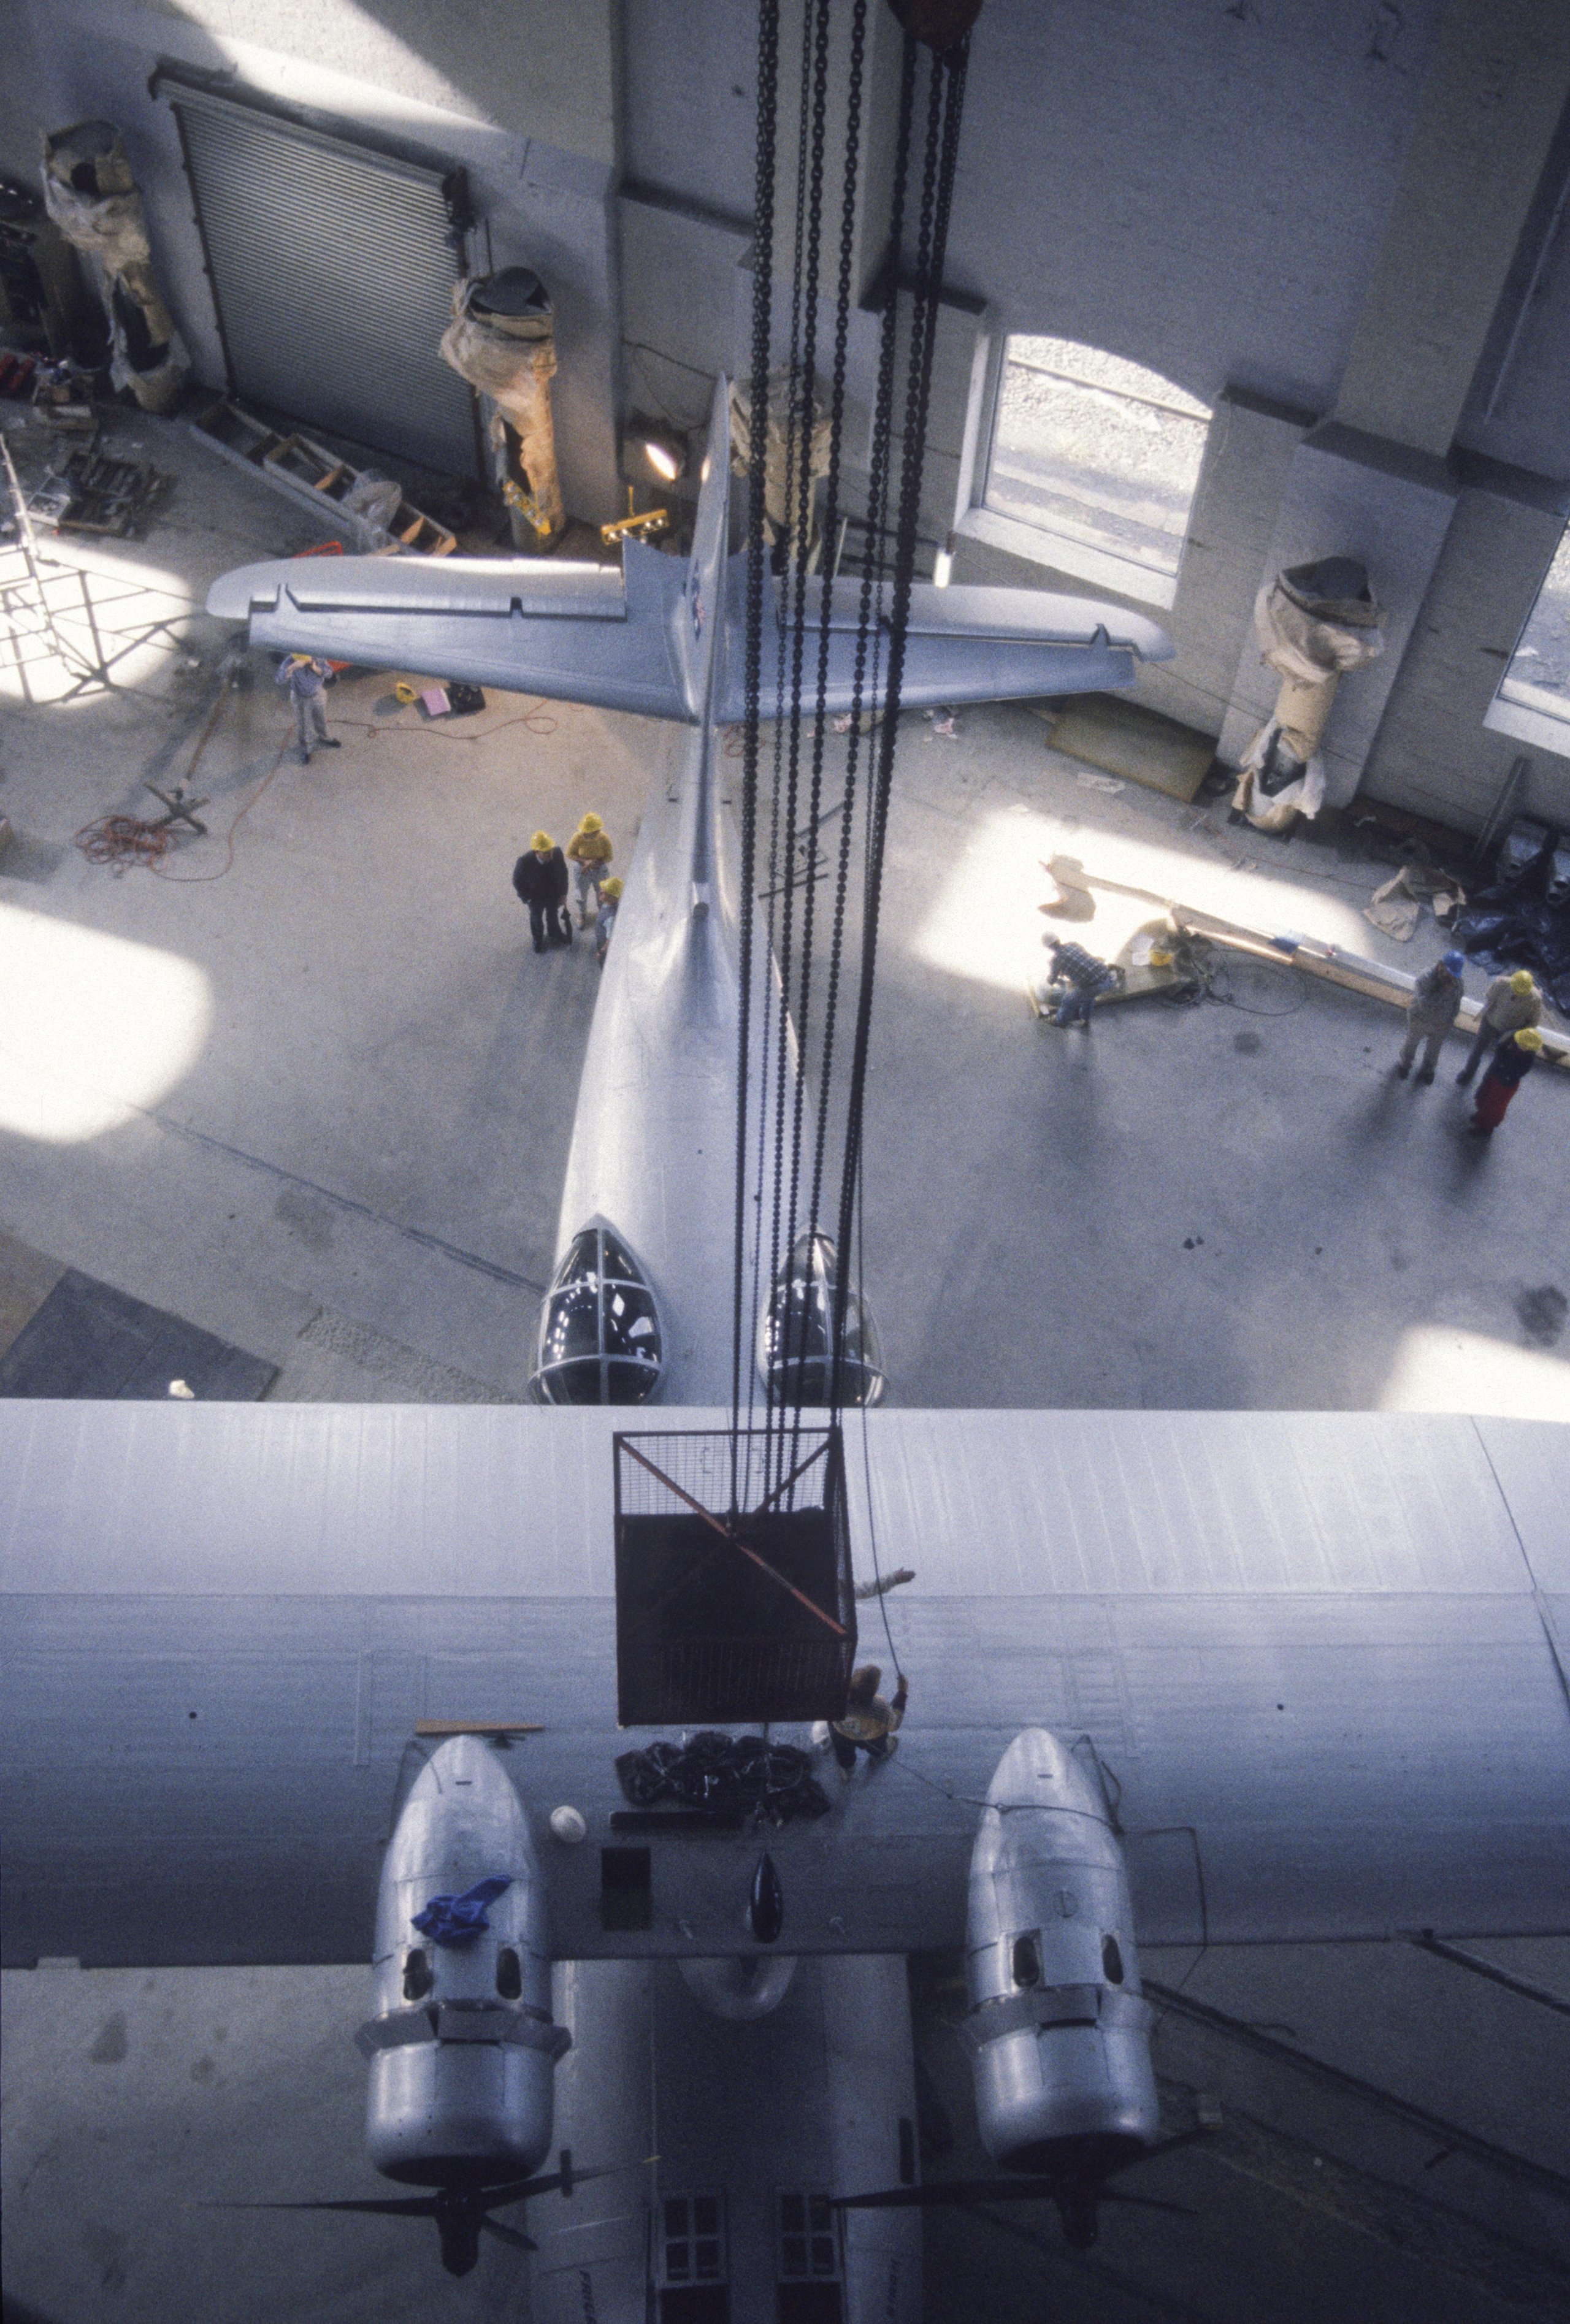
point(704, 589)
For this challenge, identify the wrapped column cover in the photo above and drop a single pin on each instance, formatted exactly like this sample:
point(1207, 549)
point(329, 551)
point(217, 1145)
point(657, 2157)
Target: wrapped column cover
point(782, 472)
point(90, 194)
point(503, 340)
point(1314, 623)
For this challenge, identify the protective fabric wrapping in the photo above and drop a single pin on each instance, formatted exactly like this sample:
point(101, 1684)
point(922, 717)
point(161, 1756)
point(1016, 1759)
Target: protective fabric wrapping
point(1504, 928)
point(503, 340)
point(771, 1781)
point(782, 420)
point(90, 194)
point(1314, 623)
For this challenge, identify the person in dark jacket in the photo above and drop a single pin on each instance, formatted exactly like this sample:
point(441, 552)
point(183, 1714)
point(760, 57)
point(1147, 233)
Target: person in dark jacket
point(1507, 1068)
point(540, 879)
point(1084, 976)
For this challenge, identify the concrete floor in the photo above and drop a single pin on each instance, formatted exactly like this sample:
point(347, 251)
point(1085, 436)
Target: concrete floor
point(1195, 1207)
point(327, 1090)
point(321, 1104)
point(331, 1087)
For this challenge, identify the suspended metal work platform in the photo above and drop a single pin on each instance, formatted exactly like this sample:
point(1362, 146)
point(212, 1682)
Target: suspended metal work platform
point(733, 1591)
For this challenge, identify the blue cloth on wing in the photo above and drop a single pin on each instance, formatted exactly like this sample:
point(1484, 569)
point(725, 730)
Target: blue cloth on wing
point(459, 1920)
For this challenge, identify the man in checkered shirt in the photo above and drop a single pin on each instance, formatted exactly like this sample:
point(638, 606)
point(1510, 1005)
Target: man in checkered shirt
point(1084, 976)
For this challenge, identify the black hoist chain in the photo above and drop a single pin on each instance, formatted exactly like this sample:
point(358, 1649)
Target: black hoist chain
point(858, 48)
point(757, 458)
point(877, 656)
point(945, 98)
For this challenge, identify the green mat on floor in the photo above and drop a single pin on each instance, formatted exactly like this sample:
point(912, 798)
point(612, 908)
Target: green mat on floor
point(1125, 739)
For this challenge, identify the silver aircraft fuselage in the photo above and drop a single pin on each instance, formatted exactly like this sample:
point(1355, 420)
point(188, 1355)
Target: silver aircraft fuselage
point(653, 1152)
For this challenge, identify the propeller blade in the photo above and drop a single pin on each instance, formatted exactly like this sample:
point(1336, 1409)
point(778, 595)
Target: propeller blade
point(951, 2191)
point(402, 2207)
point(509, 2235)
point(1147, 2203)
point(519, 2191)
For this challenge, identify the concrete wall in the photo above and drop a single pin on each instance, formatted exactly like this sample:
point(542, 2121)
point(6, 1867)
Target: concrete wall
point(1433, 754)
point(1294, 213)
point(1284, 130)
point(1518, 410)
point(453, 91)
point(1491, 105)
point(1265, 206)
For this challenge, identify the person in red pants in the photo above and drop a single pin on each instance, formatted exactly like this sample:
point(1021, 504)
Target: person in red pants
point(1509, 1067)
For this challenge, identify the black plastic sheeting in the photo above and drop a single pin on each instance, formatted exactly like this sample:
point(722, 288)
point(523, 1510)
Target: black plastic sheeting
point(1506, 928)
point(771, 1781)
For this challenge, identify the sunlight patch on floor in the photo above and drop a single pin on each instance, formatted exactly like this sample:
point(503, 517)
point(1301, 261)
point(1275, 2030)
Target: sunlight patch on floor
point(87, 618)
point(94, 1027)
point(1439, 1368)
point(985, 924)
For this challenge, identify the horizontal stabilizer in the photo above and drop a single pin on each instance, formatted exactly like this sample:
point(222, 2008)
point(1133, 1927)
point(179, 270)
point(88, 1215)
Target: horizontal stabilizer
point(575, 633)
point(963, 644)
point(667, 637)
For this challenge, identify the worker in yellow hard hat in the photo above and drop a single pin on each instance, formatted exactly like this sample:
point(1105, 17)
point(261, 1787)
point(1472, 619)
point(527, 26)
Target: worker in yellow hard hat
point(1509, 1003)
point(605, 917)
point(539, 880)
point(1507, 1068)
point(589, 852)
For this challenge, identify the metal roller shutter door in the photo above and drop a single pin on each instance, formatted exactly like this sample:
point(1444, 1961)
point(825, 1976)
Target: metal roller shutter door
point(332, 272)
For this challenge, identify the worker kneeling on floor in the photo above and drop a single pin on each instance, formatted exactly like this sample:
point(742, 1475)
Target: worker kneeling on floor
point(1084, 976)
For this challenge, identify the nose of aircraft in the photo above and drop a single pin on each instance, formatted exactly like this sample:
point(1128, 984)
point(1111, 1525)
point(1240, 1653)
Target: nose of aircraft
point(1038, 1770)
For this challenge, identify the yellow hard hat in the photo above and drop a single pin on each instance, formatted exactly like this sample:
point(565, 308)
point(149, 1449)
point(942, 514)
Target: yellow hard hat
point(591, 821)
point(1529, 1038)
point(611, 888)
point(1521, 982)
point(541, 842)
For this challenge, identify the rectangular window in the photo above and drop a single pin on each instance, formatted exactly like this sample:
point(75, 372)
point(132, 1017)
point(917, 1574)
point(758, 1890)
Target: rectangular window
point(809, 2240)
point(1093, 466)
point(1533, 702)
point(692, 2240)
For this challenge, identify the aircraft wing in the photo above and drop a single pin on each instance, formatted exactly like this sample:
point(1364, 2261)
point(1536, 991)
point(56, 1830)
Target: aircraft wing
point(575, 632)
point(1323, 1654)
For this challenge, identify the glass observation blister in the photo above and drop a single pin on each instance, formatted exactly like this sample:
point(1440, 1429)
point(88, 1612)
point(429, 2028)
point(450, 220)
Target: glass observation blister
point(796, 1333)
point(599, 1329)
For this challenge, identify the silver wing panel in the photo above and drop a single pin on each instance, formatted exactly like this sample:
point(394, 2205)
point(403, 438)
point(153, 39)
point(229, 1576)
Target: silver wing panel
point(964, 645)
point(578, 633)
point(1311, 1647)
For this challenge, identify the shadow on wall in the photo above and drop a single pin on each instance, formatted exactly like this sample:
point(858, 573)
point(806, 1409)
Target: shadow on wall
point(549, 78)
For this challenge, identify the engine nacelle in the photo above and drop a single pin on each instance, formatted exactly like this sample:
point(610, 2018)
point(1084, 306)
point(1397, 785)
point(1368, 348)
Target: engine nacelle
point(1058, 2031)
point(462, 2046)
